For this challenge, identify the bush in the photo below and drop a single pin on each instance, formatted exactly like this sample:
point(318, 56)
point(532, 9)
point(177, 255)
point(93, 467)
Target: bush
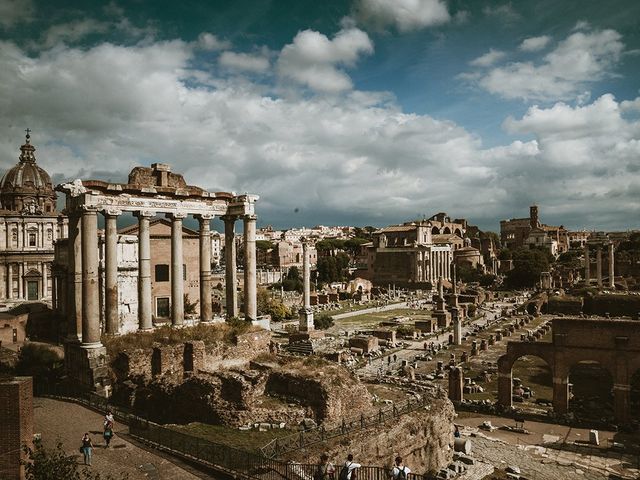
point(406, 330)
point(39, 361)
point(54, 464)
point(322, 322)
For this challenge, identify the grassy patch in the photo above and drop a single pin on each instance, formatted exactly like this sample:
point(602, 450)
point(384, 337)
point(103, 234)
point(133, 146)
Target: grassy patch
point(377, 317)
point(250, 440)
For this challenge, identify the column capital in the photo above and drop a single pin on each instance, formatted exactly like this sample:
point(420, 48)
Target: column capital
point(229, 218)
point(204, 216)
point(144, 214)
point(88, 209)
point(250, 217)
point(111, 212)
point(176, 215)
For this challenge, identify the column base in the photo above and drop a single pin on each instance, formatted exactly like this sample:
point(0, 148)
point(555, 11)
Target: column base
point(87, 366)
point(306, 320)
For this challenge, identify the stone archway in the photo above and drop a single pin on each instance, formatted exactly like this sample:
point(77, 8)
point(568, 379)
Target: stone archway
point(516, 351)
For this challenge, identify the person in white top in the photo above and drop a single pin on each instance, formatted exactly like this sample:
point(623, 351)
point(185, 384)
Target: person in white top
point(348, 468)
point(400, 471)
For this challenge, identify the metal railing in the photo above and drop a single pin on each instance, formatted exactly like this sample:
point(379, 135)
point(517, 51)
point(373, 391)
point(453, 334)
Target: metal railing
point(281, 445)
point(224, 459)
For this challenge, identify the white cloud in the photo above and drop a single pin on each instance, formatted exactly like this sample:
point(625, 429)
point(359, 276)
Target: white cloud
point(580, 59)
point(14, 12)
point(208, 41)
point(244, 62)
point(356, 157)
point(533, 44)
point(488, 59)
point(405, 15)
point(313, 60)
point(505, 13)
point(72, 32)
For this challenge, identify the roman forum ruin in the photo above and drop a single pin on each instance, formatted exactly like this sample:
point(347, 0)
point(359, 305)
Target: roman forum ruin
point(149, 192)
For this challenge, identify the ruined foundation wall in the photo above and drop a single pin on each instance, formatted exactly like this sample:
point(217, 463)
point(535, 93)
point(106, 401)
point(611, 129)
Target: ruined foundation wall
point(422, 438)
point(331, 398)
point(565, 304)
point(614, 305)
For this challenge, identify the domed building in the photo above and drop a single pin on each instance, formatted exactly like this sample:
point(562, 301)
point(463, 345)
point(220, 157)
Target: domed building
point(29, 225)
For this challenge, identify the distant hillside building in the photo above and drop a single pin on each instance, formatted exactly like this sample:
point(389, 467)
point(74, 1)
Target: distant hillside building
point(516, 233)
point(29, 226)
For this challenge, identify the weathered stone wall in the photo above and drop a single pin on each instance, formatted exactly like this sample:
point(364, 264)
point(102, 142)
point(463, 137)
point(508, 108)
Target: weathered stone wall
point(422, 438)
point(615, 305)
point(252, 343)
point(564, 304)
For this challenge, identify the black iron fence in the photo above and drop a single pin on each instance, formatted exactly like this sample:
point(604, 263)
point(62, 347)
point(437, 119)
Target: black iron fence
point(289, 443)
point(223, 459)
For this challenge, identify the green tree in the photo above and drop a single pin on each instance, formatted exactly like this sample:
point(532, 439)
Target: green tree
point(267, 305)
point(292, 281)
point(189, 306)
point(323, 321)
point(528, 264)
point(264, 245)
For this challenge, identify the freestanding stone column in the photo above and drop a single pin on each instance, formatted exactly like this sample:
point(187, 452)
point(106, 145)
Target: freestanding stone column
point(205, 267)
point(177, 270)
point(306, 313)
point(599, 266)
point(111, 272)
point(230, 265)
point(144, 271)
point(587, 265)
point(457, 326)
point(90, 290)
point(612, 276)
point(74, 279)
point(250, 286)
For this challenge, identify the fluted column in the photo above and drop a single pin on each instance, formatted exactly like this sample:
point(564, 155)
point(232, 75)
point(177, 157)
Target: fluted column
point(587, 265)
point(250, 285)
point(205, 267)
point(144, 271)
point(599, 266)
point(111, 272)
point(230, 265)
point(611, 267)
point(74, 279)
point(177, 269)
point(21, 280)
point(90, 292)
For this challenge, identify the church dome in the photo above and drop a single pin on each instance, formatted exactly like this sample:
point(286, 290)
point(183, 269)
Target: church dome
point(27, 188)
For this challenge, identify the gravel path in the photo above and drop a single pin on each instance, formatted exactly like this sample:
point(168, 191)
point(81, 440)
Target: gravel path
point(66, 422)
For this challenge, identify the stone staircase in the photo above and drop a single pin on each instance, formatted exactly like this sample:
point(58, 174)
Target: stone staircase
point(304, 347)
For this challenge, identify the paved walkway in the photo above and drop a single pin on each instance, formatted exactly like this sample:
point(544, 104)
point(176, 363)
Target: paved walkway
point(66, 422)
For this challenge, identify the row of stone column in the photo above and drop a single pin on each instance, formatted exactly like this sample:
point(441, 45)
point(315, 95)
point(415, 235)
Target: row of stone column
point(611, 265)
point(83, 281)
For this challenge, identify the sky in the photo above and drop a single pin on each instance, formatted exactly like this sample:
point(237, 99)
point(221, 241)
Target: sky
point(361, 112)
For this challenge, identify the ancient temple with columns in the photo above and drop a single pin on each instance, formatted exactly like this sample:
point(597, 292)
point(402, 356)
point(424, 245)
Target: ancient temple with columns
point(150, 192)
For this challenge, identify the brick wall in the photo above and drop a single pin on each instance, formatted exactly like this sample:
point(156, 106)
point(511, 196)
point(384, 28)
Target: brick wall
point(16, 419)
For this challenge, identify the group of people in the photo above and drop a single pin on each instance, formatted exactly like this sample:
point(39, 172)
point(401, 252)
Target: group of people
point(87, 445)
point(349, 471)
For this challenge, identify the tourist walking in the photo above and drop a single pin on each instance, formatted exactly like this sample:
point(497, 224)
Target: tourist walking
point(348, 471)
point(108, 418)
point(325, 470)
point(400, 471)
point(108, 433)
point(87, 448)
